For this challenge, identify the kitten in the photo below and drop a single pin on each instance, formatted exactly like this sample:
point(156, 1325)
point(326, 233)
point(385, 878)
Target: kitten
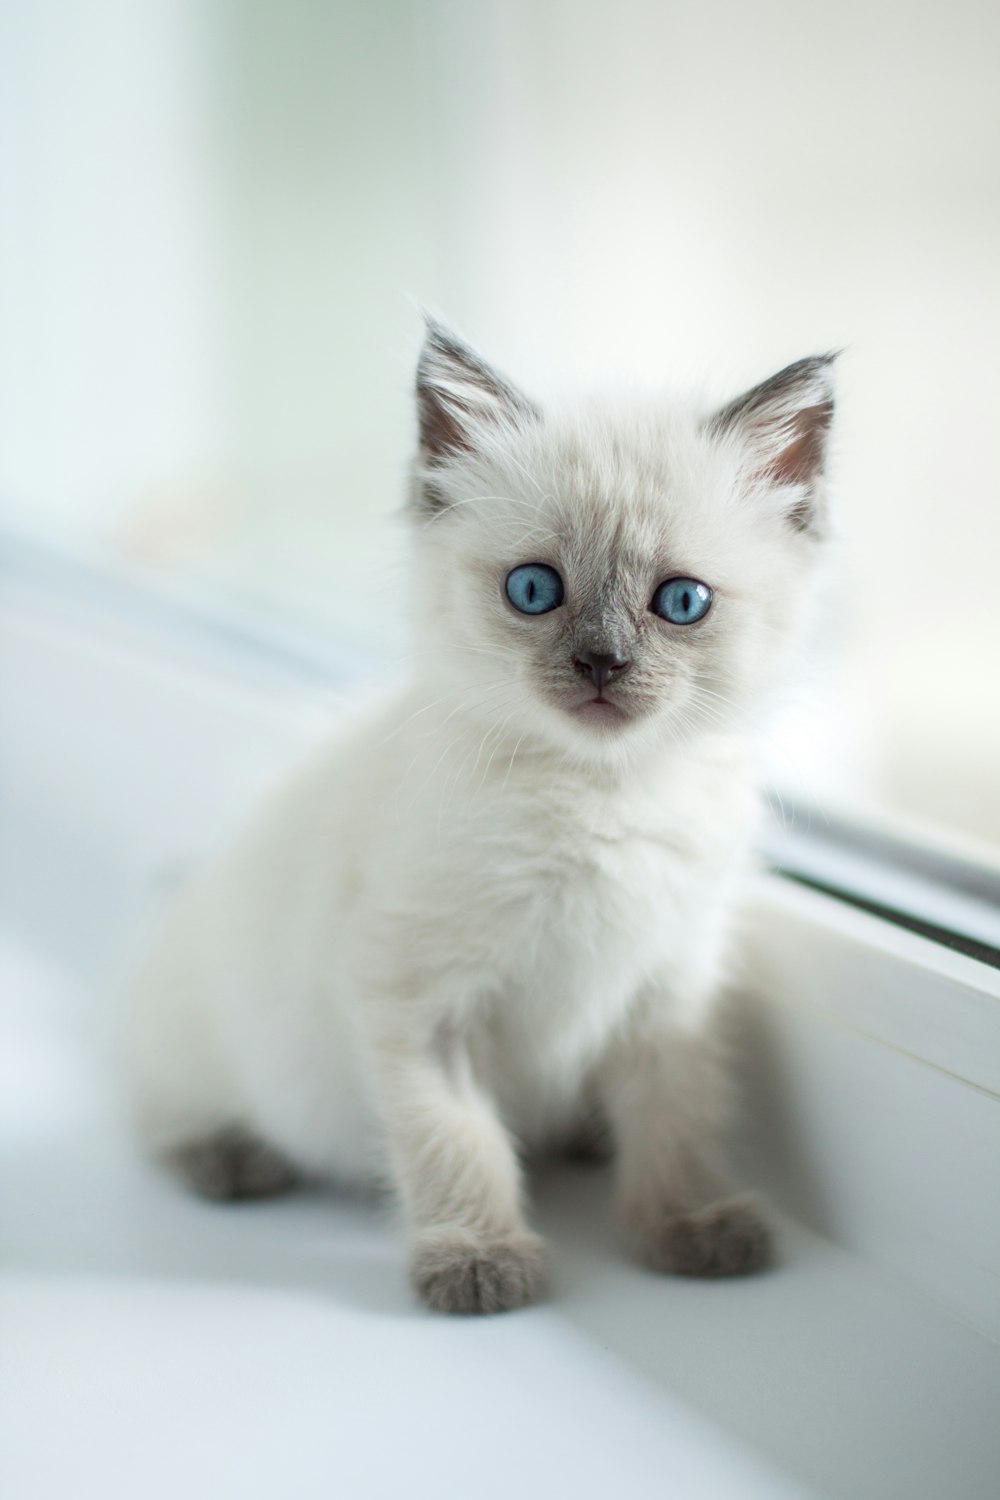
point(497, 909)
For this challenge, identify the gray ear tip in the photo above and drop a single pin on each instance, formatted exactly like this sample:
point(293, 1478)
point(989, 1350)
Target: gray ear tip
point(823, 367)
point(813, 376)
point(437, 335)
point(442, 348)
point(433, 326)
point(818, 366)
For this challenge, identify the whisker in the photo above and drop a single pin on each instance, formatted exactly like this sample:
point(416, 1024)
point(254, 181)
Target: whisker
point(510, 764)
point(486, 768)
point(457, 775)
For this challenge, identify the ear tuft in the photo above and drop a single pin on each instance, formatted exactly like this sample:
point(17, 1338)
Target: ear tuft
point(784, 424)
point(458, 393)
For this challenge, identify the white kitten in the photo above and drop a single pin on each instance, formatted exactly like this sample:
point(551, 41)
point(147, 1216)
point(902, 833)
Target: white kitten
point(493, 916)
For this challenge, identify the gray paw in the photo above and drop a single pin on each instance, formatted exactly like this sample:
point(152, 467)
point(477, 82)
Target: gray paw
point(458, 1272)
point(233, 1164)
point(728, 1238)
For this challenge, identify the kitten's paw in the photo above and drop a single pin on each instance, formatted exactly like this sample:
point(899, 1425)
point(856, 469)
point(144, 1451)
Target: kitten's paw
point(458, 1272)
point(233, 1164)
point(728, 1238)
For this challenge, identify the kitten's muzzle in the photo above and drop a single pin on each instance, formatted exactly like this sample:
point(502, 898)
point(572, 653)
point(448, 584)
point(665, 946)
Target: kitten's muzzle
point(602, 667)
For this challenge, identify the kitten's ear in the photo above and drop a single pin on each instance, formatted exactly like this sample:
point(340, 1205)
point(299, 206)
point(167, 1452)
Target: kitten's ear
point(459, 394)
point(784, 424)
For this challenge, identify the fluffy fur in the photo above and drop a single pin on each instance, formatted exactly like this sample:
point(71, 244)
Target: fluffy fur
point(494, 915)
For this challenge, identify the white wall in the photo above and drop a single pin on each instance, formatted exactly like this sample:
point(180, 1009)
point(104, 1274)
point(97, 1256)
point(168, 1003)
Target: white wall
point(109, 330)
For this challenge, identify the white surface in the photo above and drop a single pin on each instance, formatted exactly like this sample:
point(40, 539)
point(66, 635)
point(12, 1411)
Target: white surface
point(873, 1060)
point(274, 1349)
point(155, 1345)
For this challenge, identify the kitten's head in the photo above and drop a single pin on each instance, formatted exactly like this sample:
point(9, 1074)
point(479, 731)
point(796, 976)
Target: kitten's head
point(606, 577)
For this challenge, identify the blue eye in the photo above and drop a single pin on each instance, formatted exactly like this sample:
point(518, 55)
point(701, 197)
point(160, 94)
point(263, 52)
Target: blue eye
point(682, 601)
point(534, 588)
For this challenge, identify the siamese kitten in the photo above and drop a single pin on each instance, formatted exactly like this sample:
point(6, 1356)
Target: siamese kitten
point(495, 912)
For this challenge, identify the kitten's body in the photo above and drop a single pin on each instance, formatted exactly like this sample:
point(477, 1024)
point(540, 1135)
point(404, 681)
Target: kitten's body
point(496, 909)
point(554, 893)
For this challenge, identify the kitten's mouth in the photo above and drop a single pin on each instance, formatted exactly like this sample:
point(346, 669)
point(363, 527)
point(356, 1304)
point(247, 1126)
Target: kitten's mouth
point(599, 710)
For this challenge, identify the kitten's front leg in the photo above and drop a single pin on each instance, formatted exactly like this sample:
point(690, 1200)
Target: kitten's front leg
point(665, 1090)
point(459, 1181)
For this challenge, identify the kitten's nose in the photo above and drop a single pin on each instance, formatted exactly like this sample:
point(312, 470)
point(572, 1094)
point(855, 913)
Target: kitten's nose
point(601, 666)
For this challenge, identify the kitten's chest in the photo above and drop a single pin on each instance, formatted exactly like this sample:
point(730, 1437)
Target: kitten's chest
point(596, 920)
point(590, 897)
point(595, 901)
point(554, 900)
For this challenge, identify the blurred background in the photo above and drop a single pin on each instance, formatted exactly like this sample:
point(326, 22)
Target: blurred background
point(217, 218)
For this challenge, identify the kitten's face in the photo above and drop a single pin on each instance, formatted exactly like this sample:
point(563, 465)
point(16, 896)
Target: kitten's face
point(605, 579)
